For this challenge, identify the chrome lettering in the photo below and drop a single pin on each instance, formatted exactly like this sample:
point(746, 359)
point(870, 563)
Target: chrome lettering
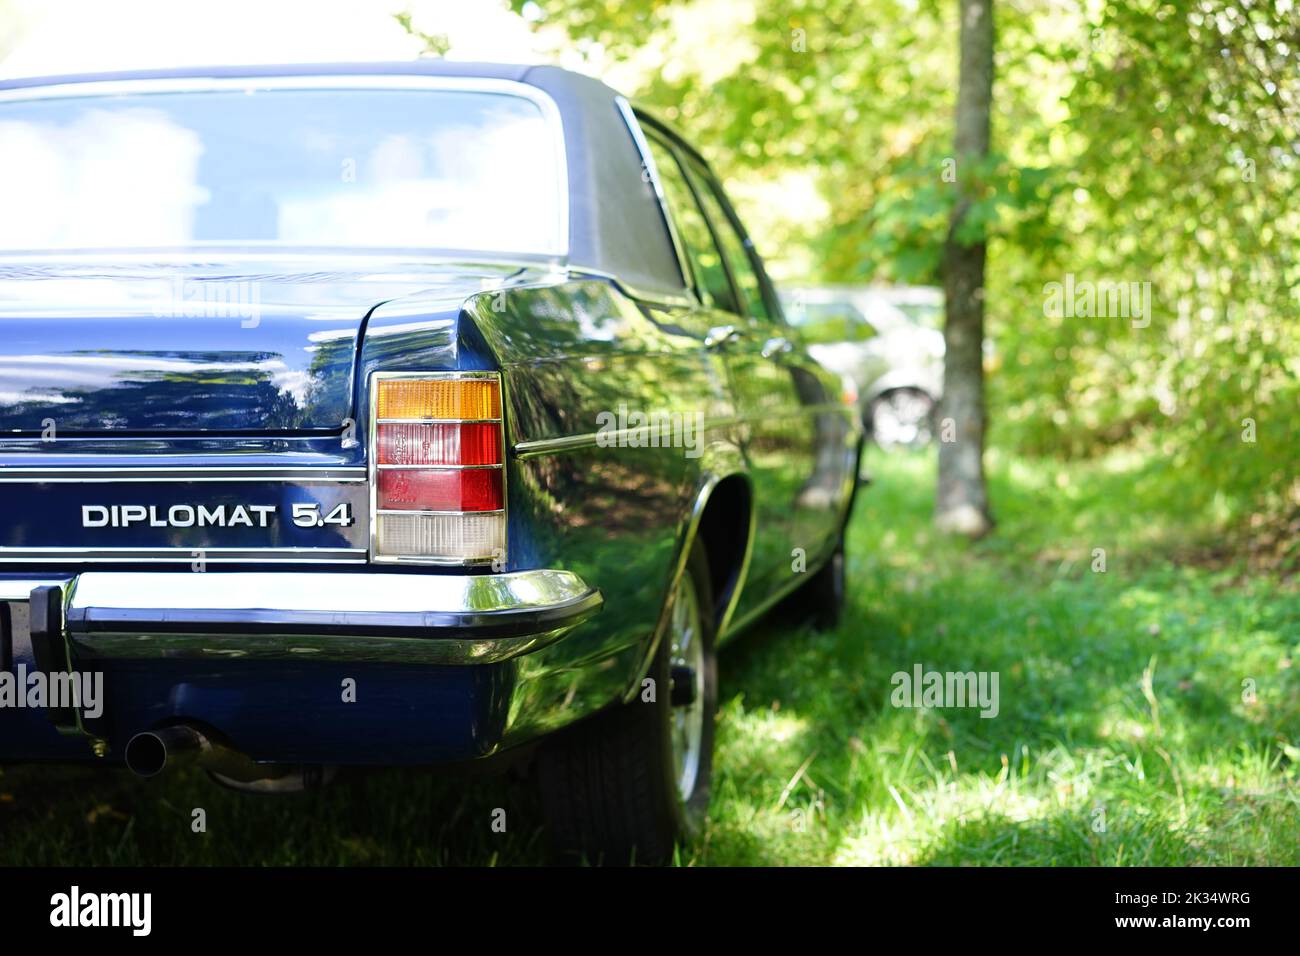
point(94, 516)
point(178, 516)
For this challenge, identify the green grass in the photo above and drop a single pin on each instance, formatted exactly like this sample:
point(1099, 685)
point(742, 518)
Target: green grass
point(1122, 739)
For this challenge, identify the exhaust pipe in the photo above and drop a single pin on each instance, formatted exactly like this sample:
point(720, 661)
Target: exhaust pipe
point(150, 752)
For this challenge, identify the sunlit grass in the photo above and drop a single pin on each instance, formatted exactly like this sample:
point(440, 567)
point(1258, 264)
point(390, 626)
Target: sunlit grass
point(1125, 736)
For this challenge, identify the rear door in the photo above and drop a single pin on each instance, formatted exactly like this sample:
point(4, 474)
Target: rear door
point(810, 426)
point(778, 445)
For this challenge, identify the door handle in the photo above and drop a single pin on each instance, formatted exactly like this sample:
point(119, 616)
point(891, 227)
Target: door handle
point(720, 334)
point(777, 346)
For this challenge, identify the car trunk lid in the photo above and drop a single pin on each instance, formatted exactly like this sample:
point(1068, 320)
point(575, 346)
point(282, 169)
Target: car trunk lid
point(252, 344)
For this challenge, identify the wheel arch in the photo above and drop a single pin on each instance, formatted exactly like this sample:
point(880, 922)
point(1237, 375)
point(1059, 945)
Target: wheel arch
point(904, 378)
point(721, 503)
point(729, 507)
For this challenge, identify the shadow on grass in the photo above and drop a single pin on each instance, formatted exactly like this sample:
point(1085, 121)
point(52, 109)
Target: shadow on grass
point(73, 816)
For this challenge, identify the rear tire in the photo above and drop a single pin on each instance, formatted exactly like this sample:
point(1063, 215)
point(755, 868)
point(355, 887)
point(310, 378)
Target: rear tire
point(630, 783)
point(822, 598)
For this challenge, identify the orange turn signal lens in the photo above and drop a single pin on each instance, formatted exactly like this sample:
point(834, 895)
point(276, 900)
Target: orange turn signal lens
point(454, 399)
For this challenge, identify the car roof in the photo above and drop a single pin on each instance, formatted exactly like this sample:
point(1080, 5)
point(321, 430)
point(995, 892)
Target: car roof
point(616, 225)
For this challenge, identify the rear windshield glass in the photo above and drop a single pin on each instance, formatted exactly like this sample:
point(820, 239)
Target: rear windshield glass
point(355, 168)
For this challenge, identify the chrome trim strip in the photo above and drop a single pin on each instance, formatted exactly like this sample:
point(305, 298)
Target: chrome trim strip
point(363, 81)
point(80, 474)
point(419, 561)
point(613, 439)
point(547, 446)
point(415, 651)
point(448, 619)
point(183, 555)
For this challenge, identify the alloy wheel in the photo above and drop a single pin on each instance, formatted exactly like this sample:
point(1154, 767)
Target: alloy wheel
point(686, 662)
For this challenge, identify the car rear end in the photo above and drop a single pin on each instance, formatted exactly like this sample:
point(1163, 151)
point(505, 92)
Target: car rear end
point(359, 612)
point(246, 515)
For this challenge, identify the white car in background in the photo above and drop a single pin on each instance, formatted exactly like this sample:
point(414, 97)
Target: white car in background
point(888, 341)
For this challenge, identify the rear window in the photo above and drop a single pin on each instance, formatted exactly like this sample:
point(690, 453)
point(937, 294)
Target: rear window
point(391, 168)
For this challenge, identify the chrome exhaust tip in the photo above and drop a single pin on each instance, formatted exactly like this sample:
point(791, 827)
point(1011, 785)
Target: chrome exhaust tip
point(150, 752)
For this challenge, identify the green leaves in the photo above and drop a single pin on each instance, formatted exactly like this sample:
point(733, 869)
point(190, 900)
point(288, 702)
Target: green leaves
point(1137, 142)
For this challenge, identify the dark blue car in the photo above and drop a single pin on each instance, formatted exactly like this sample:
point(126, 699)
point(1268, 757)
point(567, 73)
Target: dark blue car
point(389, 415)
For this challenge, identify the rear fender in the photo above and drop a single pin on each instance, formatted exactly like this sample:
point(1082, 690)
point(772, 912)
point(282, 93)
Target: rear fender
point(720, 459)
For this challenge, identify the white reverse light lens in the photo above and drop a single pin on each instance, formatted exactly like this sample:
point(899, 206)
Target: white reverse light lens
point(464, 537)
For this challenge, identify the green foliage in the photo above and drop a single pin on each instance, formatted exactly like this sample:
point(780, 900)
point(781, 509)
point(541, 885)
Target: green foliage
point(1137, 142)
point(1182, 124)
point(435, 44)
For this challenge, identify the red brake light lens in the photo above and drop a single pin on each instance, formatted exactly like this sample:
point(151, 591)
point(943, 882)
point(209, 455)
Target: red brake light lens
point(460, 489)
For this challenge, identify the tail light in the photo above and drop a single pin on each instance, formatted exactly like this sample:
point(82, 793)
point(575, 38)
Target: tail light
point(438, 476)
point(848, 391)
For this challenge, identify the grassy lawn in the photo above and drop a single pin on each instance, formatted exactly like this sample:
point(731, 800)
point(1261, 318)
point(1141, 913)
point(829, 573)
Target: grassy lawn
point(1122, 735)
point(1149, 714)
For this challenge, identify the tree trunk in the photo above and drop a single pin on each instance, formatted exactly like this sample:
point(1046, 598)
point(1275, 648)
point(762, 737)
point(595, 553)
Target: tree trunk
point(961, 504)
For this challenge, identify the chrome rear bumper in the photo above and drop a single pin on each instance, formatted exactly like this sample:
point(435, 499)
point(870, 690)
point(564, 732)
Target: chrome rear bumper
point(345, 616)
